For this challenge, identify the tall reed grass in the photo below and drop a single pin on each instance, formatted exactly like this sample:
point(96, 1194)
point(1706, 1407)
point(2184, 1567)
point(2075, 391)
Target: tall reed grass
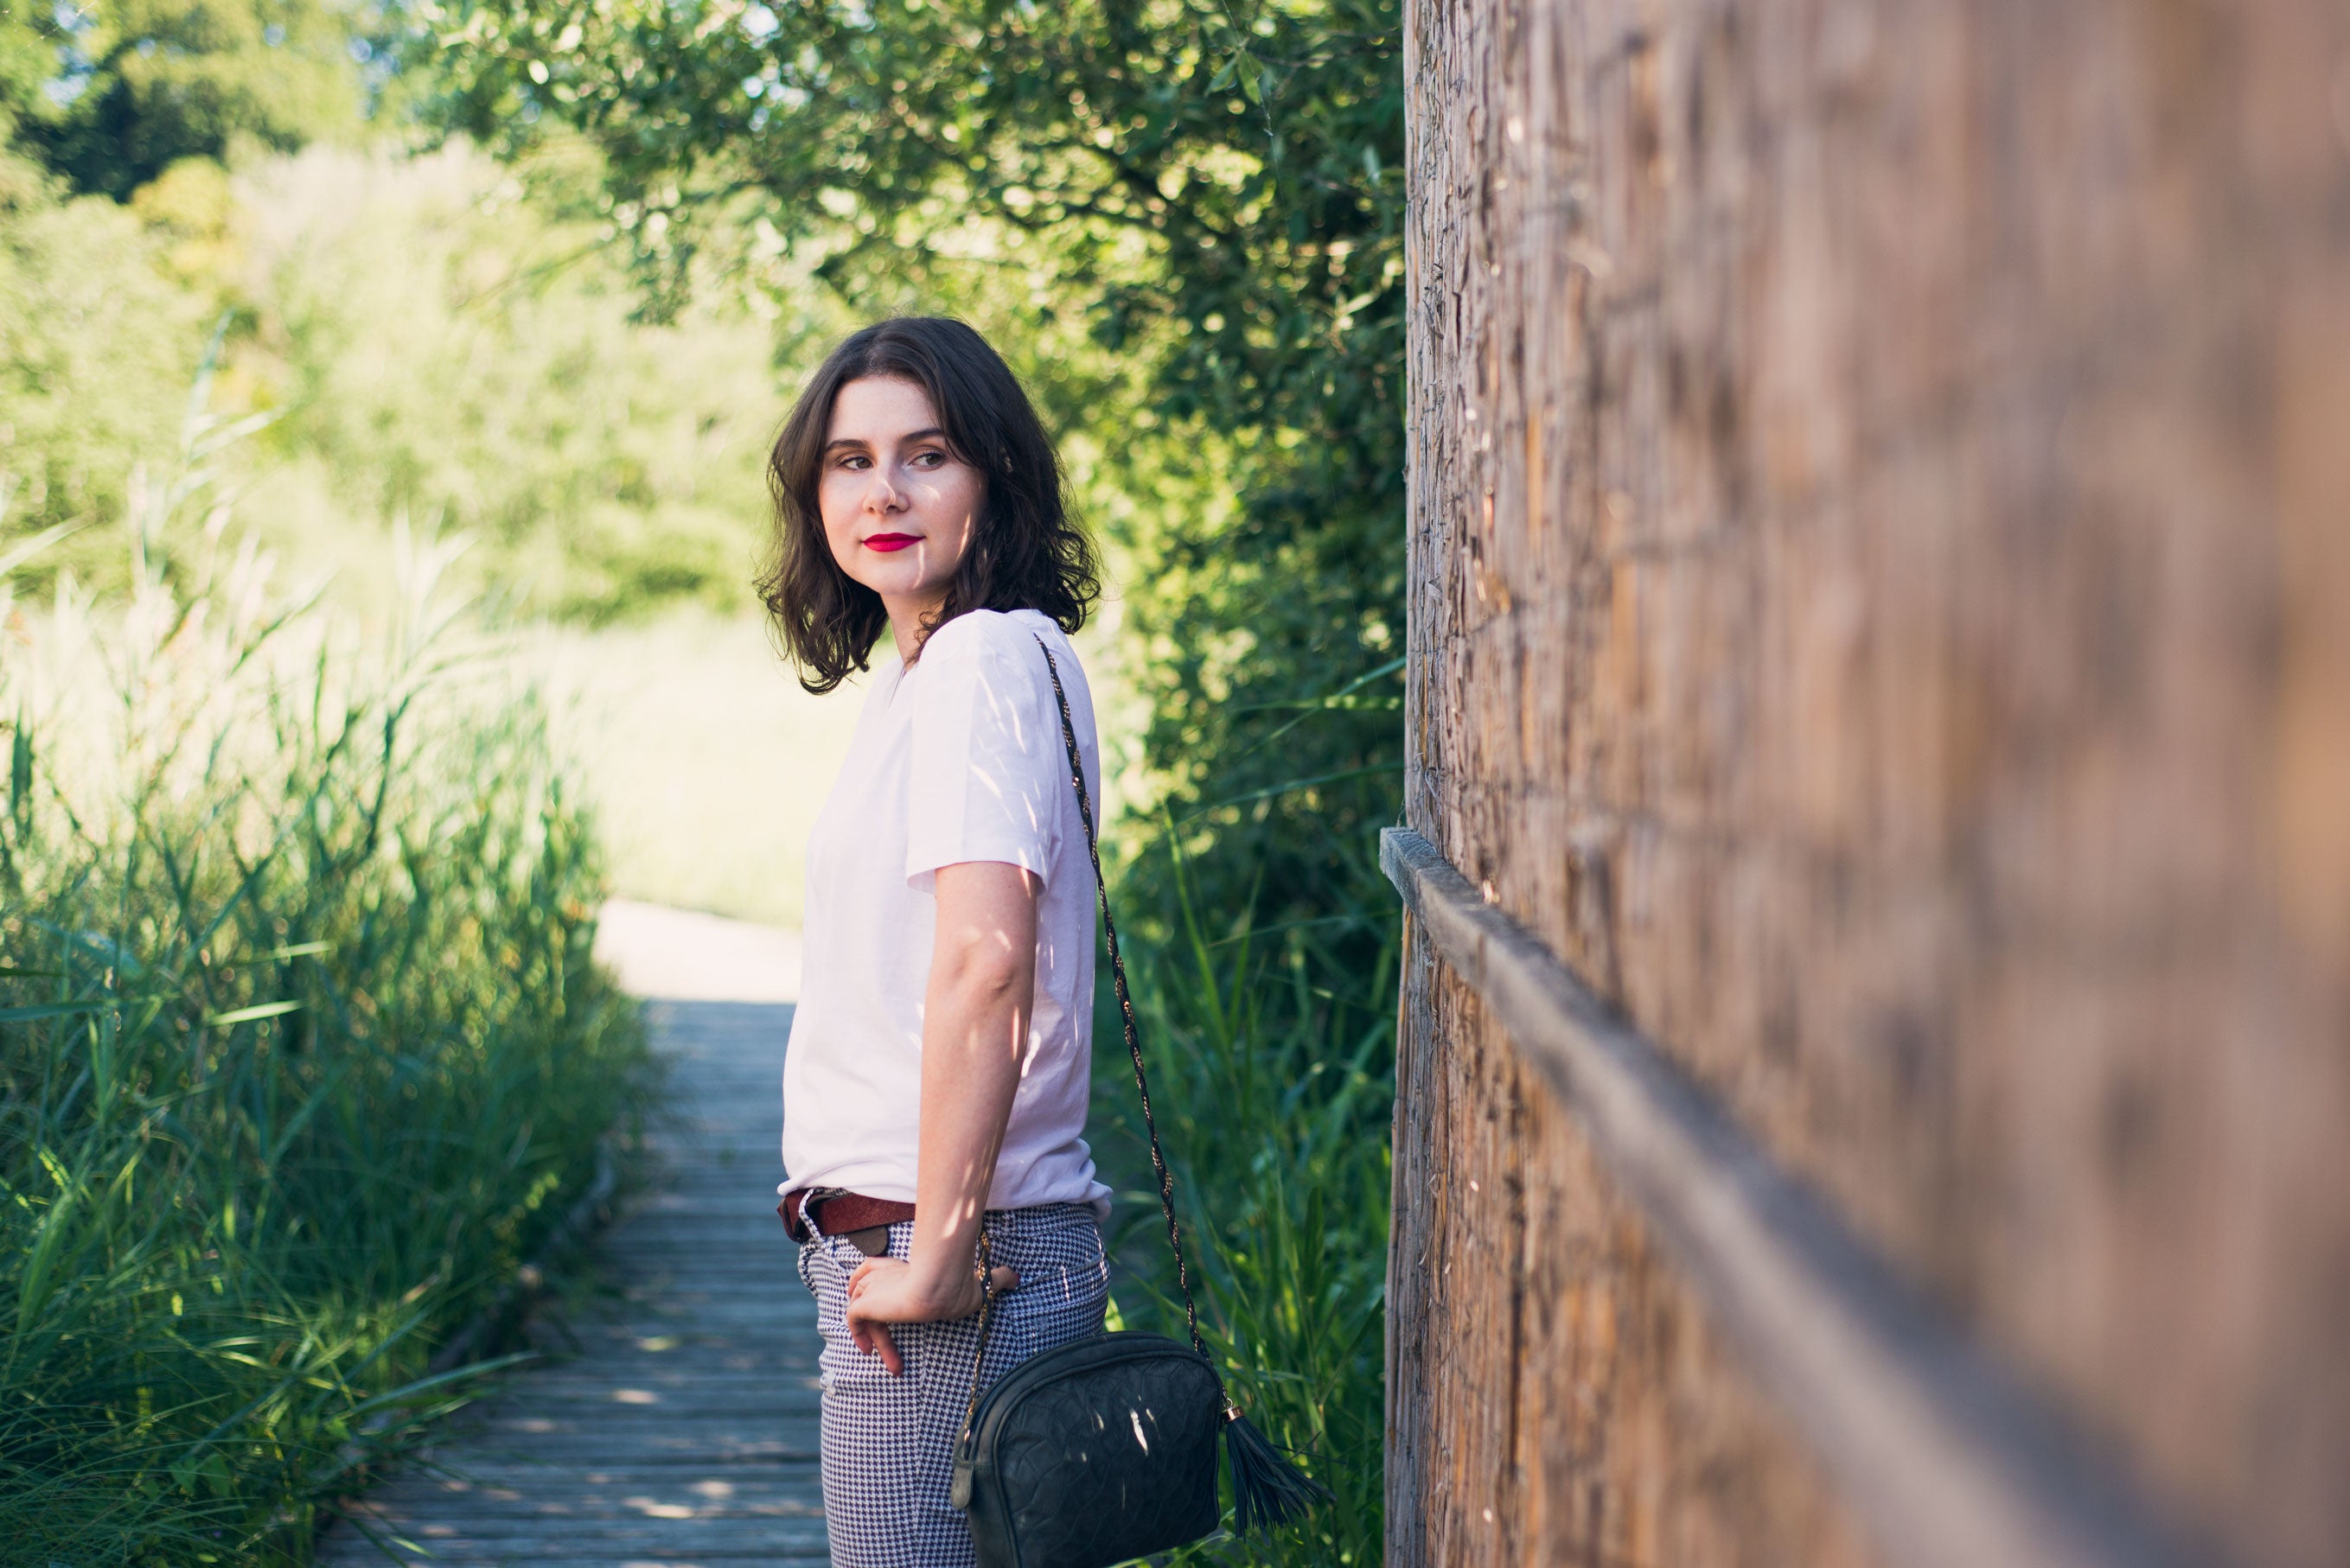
point(301, 1049)
point(1272, 1060)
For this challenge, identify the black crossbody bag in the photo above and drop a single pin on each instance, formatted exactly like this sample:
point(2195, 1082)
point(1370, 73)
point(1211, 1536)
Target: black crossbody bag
point(1104, 1450)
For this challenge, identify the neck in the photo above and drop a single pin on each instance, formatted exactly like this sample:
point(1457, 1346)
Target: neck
point(907, 614)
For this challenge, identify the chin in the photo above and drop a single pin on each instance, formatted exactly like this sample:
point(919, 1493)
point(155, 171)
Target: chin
point(909, 587)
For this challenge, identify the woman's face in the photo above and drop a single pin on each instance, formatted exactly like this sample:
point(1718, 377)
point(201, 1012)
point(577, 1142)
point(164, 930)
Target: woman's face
point(899, 507)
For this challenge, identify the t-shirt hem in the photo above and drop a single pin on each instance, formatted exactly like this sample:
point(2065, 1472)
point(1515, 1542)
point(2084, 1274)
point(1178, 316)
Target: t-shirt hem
point(1094, 1196)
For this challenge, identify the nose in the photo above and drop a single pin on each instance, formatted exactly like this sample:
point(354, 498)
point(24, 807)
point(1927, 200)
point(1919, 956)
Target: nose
point(881, 495)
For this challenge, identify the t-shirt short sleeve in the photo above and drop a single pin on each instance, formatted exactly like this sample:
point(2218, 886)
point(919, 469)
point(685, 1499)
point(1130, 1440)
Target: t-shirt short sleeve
point(988, 762)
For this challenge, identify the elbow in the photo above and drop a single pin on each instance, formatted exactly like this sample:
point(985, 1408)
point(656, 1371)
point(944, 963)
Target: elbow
point(987, 979)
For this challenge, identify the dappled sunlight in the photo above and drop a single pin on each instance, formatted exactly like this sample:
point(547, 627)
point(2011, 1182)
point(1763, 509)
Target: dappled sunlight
point(339, 961)
point(679, 1420)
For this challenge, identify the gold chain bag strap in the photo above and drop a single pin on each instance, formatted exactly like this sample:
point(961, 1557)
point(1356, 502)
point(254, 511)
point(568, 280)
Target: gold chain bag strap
point(1104, 1450)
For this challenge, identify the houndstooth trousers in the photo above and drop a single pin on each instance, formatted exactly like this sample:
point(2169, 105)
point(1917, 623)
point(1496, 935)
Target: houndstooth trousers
point(889, 1442)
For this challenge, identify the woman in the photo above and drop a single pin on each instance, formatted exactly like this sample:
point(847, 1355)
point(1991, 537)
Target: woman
point(938, 1063)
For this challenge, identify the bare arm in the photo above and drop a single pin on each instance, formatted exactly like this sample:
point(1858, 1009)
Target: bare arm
point(974, 1032)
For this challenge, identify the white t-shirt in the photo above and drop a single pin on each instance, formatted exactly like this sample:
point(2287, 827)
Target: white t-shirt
point(958, 759)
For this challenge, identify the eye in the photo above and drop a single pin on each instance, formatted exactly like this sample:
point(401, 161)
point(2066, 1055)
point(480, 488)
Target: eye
point(852, 460)
point(930, 458)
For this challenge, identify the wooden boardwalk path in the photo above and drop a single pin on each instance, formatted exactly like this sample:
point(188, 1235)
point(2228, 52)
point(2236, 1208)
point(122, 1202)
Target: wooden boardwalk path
point(682, 1429)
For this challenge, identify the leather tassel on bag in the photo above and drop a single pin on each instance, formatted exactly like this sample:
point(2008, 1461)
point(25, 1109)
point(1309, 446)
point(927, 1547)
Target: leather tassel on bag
point(1268, 1489)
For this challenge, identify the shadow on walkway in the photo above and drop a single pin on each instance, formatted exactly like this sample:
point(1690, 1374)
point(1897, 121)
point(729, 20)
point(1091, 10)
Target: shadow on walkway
point(682, 1427)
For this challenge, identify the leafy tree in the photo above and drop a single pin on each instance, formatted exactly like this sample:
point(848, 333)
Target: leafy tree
point(111, 93)
point(104, 303)
point(445, 344)
point(27, 60)
point(96, 350)
point(1213, 189)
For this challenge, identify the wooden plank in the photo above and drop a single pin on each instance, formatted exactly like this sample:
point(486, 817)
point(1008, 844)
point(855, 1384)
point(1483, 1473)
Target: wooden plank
point(653, 1527)
point(670, 1446)
point(676, 1419)
point(1952, 1462)
point(754, 1481)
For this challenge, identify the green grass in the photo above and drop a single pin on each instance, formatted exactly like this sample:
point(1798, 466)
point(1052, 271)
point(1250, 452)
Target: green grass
point(1271, 1067)
point(301, 1051)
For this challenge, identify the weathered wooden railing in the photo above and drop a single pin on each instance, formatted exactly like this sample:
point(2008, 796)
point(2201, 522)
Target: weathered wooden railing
point(1941, 1451)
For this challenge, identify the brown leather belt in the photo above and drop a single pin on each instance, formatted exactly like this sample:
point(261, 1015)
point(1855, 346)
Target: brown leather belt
point(863, 1223)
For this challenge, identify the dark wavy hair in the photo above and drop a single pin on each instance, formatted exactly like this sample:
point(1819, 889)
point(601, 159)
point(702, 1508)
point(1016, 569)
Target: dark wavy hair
point(1026, 553)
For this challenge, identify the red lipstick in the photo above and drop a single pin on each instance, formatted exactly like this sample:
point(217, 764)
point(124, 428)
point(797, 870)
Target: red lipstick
point(887, 542)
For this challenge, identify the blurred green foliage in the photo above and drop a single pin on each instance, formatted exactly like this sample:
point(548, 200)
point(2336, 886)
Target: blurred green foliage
point(494, 381)
point(440, 338)
point(98, 344)
point(104, 301)
point(1213, 191)
point(107, 94)
point(445, 339)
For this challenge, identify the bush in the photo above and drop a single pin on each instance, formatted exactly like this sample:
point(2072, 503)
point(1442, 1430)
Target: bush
point(493, 380)
point(96, 348)
point(301, 1052)
point(437, 337)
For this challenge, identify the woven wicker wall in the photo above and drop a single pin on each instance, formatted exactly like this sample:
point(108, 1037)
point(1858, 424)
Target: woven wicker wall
point(1881, 612)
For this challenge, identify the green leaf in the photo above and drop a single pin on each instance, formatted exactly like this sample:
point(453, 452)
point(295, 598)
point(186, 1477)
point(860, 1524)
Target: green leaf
point(59, 1009)
point(36, 1285)
point(24, 550)
point(299, 950)
point(248, 1015)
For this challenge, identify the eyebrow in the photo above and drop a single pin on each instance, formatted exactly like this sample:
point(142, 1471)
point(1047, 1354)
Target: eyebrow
point(930, 432)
